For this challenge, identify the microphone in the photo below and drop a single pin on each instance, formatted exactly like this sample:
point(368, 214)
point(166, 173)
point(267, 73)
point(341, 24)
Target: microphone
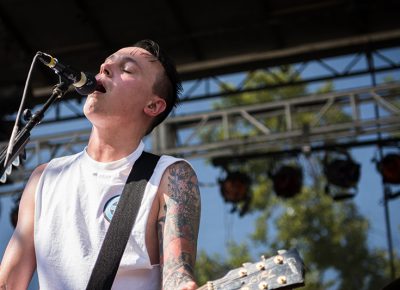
point(84, 83)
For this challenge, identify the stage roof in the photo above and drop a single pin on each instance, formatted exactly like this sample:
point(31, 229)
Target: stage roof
point(204, 37)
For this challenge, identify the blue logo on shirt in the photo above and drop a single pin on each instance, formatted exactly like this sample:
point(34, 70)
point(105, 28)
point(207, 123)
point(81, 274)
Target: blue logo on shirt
point(110, 207)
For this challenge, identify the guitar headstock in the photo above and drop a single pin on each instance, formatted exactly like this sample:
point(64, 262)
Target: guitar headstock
point(283, 271)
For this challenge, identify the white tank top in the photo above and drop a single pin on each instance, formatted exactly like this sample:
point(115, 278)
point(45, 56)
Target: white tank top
point(75, 199)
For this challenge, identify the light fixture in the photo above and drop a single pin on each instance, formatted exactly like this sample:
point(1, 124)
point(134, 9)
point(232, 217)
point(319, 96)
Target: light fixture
point(287, 180)
point(389, 168)
point(342, 174)
point(235, 189)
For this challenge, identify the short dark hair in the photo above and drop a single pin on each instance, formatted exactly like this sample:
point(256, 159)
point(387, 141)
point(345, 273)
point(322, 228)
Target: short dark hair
point(168, 85)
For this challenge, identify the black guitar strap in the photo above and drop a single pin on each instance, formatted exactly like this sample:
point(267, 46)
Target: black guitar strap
point(121, 225)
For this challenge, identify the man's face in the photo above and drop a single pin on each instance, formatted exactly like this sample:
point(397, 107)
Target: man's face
point(126, 81)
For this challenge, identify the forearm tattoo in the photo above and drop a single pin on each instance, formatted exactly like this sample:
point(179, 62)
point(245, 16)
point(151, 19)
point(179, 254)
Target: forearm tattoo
point(178, 226)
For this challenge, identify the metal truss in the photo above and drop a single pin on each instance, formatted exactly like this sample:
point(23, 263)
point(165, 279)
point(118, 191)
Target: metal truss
point(369, 112)
point(355, 65)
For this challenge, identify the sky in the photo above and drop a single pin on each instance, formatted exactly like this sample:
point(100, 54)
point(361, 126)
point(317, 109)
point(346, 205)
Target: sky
point(218, 225)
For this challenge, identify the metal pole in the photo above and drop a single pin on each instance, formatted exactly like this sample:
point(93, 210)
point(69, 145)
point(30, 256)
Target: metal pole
point(386, 189)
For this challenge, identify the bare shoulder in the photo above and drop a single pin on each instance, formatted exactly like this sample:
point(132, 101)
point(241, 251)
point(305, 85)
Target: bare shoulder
point(180, 184)
point(34, 178)
point(178, 178)
point(37, 172)
point(180, 167)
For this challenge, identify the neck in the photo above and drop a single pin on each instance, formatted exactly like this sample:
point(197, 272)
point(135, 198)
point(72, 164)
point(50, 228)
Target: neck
point(111, 145)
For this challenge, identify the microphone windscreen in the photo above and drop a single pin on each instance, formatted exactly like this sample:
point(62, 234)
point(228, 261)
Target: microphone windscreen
point(89, 87)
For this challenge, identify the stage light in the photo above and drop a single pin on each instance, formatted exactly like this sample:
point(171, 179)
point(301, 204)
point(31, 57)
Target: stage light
point(287, 180)
point(389, 168)
point(235, 188)
point(342, 174)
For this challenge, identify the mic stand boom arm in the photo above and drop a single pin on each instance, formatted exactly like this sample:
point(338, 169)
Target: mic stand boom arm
point(23, 136)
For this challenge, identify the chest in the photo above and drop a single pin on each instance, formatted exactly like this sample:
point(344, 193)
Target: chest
point(82, 205)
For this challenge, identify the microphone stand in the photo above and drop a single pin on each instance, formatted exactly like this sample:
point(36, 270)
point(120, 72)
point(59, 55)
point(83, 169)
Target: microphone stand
point(23, 136)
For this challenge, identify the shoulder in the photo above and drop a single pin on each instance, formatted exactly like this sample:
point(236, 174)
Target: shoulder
point(166, 161)
point(180, 169)
point(39, 171)
point(58, 164)
point(179, 177)
point(181, 164)
point(36, 174)
point(27, 202)
point(65, 160)
point(31, 185)
point(169, 166)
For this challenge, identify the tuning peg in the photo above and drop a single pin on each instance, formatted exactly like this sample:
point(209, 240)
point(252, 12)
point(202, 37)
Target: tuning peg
point(263, 285)
point(3, 179)
point(210, 285)
point(282, 251)
point(282, 280)
point(260, 266)
point(243, 272)
point(16, 161)
point(278, 259)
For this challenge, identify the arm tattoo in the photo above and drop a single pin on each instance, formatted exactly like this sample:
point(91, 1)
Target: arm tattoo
point(178, 226)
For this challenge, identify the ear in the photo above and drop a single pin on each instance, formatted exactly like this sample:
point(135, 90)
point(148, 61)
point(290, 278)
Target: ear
point(155, 107)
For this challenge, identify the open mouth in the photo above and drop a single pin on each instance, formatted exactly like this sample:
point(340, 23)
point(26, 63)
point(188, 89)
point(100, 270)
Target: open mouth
point(100, 88)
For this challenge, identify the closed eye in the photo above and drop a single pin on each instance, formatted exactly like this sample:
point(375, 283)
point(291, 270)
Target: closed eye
point(128, 66)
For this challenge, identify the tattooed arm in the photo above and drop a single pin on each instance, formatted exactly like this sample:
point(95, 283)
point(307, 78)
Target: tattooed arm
point(178, 226)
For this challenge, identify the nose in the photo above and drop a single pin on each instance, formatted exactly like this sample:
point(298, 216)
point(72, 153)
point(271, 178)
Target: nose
point(105, 69)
